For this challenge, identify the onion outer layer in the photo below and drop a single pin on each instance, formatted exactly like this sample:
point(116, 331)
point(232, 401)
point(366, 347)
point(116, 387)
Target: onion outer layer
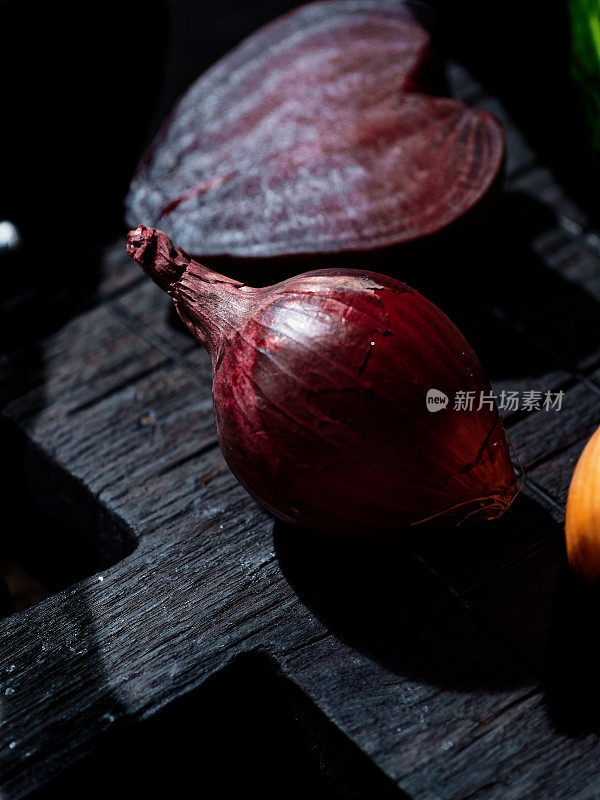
point(319, 392)
point(582, 523)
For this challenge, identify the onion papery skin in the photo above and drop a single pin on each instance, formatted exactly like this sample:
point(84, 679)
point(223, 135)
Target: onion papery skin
point(319, 395)
point(582, 521)
point(318, 134)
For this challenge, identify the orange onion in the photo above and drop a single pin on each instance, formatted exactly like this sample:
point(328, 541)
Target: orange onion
point(582, 523)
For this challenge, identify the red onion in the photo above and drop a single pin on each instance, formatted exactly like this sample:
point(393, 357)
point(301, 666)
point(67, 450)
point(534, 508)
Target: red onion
point(319, 133)
point(319, 392)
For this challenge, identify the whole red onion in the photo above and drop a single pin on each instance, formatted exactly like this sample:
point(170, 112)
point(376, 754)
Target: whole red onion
point(319, 392)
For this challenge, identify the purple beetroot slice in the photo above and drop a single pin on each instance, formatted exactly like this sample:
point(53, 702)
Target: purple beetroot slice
point(315, 135)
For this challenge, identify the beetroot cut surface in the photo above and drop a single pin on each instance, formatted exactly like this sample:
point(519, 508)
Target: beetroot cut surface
point(317, 134)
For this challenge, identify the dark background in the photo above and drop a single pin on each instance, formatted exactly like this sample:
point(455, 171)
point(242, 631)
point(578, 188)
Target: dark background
point(86, 85)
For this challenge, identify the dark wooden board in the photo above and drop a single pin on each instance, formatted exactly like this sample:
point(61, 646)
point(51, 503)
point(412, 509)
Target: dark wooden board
point(457, 668)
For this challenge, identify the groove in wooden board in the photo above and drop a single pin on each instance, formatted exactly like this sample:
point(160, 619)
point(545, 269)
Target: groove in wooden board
point(562, 320)
point(289, 737)
point(473, 554)
point(594, 378)
point(156, 626)
point(412, 725)
point(507, 354)
point(541, 184)
point(592, 240)
point(540, 495)
point(552, 240)
point(554, 474)
point(568, 254)
point(434, 750)
point(578, 265)
point(513, 598)
point(541, 433)
point(195, 359)
point(570, 328)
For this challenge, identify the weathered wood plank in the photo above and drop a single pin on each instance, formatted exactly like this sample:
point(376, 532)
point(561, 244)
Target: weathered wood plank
point(432, 750)
point(72, 366)
point(554, 474)
point(117, 272)
point(151, 313)
point(194, 567)
point(541, 433)
point(541, 184)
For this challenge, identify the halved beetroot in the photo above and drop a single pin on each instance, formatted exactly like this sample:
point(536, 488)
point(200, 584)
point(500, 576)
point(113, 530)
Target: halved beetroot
point(317, 135)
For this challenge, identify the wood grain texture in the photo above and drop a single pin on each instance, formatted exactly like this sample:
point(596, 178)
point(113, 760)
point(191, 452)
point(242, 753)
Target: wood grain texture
point(460, 666)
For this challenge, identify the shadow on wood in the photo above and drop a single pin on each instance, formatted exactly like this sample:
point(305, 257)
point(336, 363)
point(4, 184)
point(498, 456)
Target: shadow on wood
point(572, 677)
point(463, 607)
point(63, 534)
point(246, 730)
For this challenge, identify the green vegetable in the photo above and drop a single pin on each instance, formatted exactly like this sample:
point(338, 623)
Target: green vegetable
point(585, 60)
